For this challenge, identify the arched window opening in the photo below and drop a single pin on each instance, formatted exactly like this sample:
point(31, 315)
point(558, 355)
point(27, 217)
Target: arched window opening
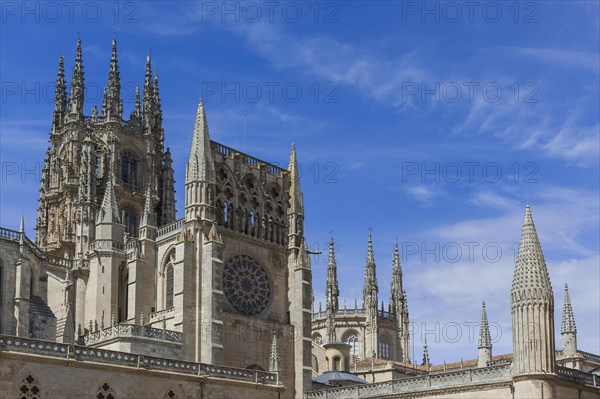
point(131, 223)
point(336, 364)
point(105, 392)
point(384, 347)
point(29, 388)
point(129, 169)
point(99, 165)
point(352, 340)
point(255, 367)
point(124, 295)
point(169, 287)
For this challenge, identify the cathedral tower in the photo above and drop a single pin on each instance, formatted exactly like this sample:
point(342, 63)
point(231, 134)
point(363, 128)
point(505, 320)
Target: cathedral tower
point(532, 303)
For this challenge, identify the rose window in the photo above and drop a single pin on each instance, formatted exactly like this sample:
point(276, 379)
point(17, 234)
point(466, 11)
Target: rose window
point(246, 285)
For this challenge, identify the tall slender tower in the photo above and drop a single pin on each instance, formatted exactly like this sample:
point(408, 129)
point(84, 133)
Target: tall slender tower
point(399, 308)
point(568, 330)
point(332, 293)
point(485, 340)
point(532, 307)
point(300, 282)
point(370, 292)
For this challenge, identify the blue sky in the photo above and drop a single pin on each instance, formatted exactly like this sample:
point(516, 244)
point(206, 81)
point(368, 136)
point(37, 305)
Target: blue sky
point(433, 123)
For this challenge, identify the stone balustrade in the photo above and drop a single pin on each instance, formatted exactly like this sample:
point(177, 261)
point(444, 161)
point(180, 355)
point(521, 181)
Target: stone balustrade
point(123, 359)
point(577, 376)
point(169, 228)
point(420, 383)
point(132, 330)
point(247, 159)
point(107, 245)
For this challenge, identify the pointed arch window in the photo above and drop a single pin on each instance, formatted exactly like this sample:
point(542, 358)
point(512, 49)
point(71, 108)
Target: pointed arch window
point(169, 277)
point(384, 347)
point(352, 339)
point(131, 223)
point(29, 388)
point(129, 169)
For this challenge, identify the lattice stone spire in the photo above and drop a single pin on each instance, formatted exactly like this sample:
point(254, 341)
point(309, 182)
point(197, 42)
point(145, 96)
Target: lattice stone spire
point(370, 289)
point(396, 290)
point(200, 166)
point(296, 197)
point(532, 306)
point(568, 320)
point(332, 291)
point(485, 340)
point(76, 95)
point(60, 95)
point(148, 215)
point(274, 356)
point(109, 211)
point(426, 361)
point(568, 330)
point(113, 86)
point(148, 98)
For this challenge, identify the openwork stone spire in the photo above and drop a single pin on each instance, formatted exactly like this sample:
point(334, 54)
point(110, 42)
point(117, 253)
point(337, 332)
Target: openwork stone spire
point(109, 211)
point(200, 166)
point(426, 361)
point(60, 95)
point(332, 291)
point(296, 198)
point(568, 329)
point(274, 356)
point(148, 216)
point(568, 320)
point(148, 99)
point(532, 306)
point(485, 340)
point(113, 87)
point(396, 290)
point(76, 96)
point(370, 289)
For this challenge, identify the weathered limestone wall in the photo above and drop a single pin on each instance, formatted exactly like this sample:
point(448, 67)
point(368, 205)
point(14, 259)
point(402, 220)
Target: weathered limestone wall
point(66, 379)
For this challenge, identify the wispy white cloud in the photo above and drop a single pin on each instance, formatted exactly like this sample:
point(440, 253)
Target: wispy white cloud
point(556, 56)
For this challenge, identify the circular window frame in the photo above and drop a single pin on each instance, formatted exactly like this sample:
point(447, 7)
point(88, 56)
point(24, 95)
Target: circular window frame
point(227, 293)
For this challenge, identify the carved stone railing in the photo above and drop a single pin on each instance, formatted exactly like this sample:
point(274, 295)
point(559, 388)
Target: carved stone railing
point(169, 228)
point(591, 356)
point(343, 312)
point(425, 382)
point(132, 330)
point(123, 359)
point(247, 159)
point(162, 314)
point(61, 262)
point(577, 376)
point(107, 245)
point(10, 234)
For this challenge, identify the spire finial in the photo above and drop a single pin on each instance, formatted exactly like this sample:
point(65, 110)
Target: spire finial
point(485, 340)
point(22, 225)
point(200, 166)
point(296, 196)
point(568, 318)
point(274, 356)
point(76, 96)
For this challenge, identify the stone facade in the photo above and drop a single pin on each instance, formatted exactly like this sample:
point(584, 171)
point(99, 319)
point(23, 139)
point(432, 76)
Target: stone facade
point(113, 269)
